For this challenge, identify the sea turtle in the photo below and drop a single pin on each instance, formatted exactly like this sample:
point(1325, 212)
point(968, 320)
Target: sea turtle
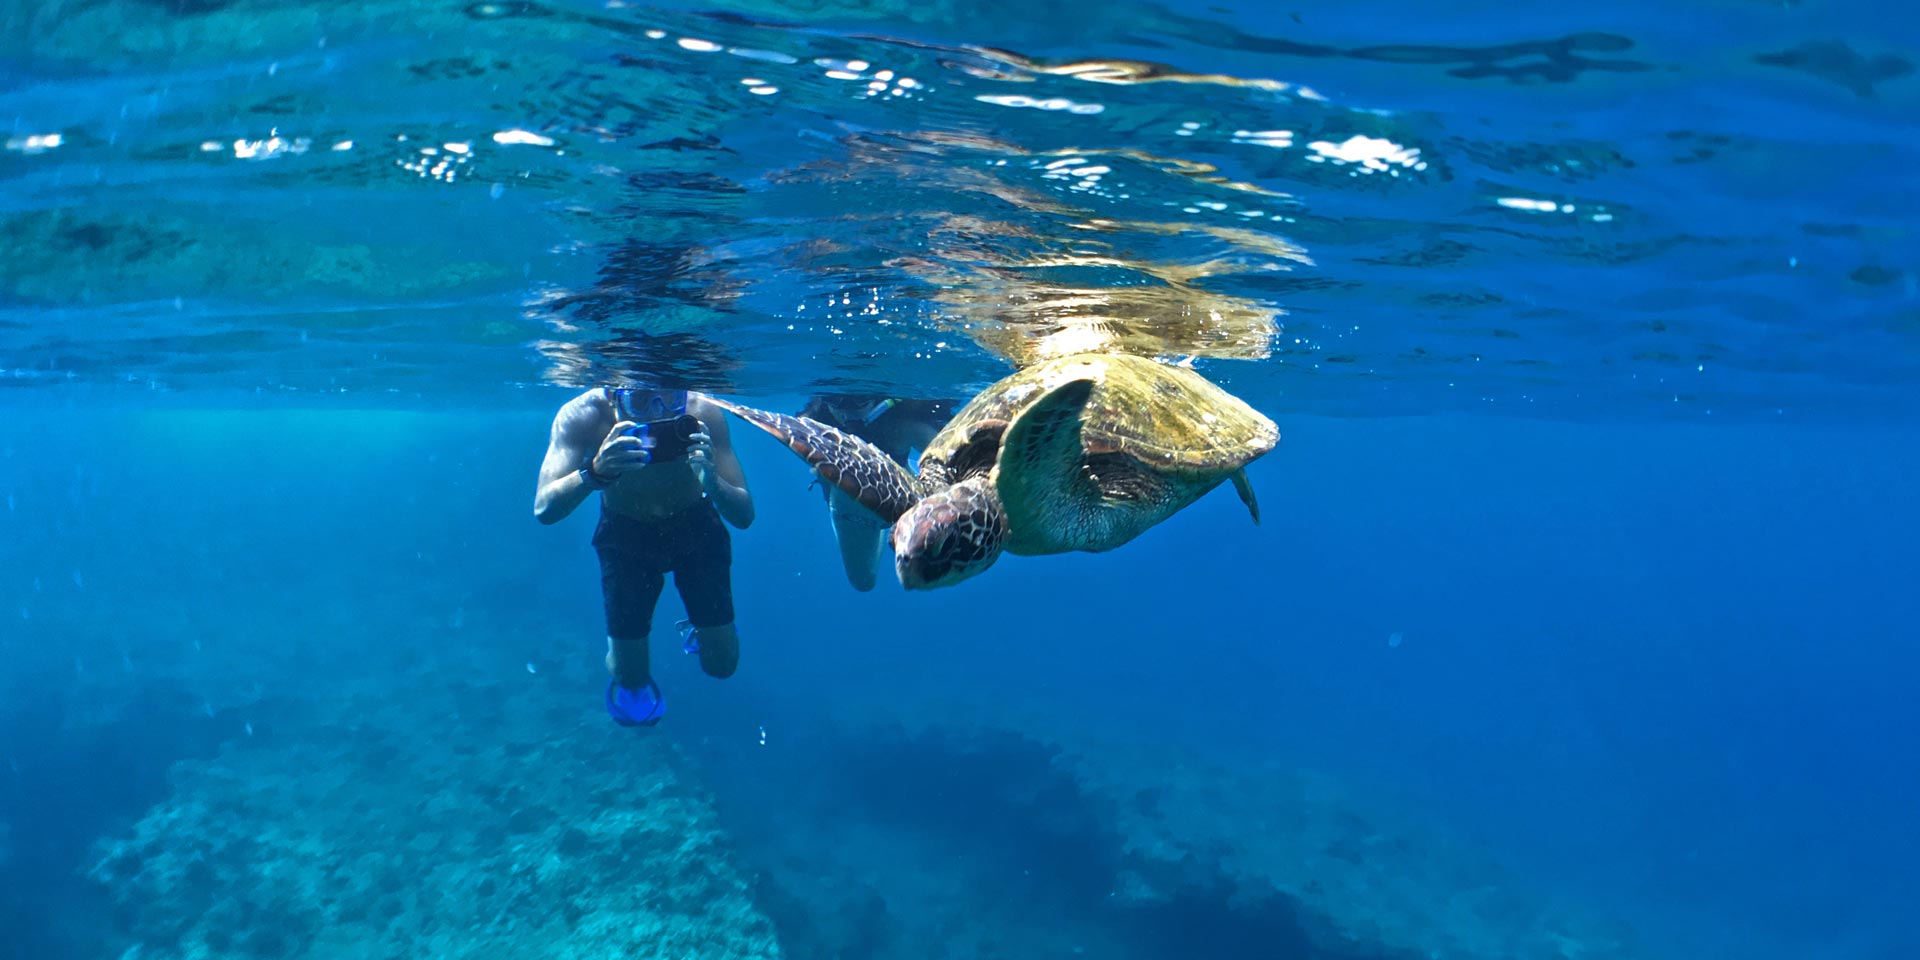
point(1082, 452)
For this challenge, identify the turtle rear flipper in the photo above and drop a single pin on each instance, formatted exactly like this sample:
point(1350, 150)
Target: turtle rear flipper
point(1041, 483)
point(1244, 487)
point(858, 468)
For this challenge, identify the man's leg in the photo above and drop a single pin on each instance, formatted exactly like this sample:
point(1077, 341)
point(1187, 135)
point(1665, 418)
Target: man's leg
point(859, 533)
point(630, 586)
point(704, 577)
point(719, 650)
point(628, 662)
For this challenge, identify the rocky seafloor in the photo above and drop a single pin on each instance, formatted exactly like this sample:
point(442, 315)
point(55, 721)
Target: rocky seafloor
point(447, 819)
point(464, 823)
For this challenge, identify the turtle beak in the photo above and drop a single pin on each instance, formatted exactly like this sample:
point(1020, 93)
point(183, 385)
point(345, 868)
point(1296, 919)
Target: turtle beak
point(909, 572)
point(925, 573)
point(919, 548)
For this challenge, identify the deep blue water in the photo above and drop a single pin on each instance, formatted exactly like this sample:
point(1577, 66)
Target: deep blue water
point(1584, 586)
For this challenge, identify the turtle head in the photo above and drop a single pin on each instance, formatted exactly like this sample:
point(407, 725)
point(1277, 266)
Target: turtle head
point(949, 536)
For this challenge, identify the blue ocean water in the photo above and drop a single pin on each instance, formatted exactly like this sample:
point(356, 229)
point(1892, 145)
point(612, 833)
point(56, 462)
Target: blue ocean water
point(1578, 624)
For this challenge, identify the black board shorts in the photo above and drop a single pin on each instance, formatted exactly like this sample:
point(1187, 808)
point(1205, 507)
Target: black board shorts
point(636, 555)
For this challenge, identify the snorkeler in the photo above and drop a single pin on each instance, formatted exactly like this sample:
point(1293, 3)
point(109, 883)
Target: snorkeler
point(668, 476)
point(898, 427)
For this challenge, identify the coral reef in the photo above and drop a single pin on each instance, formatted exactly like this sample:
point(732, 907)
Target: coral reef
point(434, 823)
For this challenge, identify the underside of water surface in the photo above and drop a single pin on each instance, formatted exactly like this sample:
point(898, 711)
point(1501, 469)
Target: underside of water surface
point(1598, 214)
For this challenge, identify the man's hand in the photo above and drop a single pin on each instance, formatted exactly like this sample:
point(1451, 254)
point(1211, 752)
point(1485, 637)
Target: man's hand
point(700, 457)
point(618, 454)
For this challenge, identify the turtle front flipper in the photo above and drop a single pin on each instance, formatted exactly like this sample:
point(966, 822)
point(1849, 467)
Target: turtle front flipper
point(858, 468)
point(1043, 489)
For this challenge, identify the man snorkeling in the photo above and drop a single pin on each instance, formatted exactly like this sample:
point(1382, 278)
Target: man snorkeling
point(898, 427)
point(666, 470)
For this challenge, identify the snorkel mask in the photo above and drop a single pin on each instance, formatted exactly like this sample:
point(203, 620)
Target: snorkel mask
point(853, 410)
point(661, 422)
point(642, 405)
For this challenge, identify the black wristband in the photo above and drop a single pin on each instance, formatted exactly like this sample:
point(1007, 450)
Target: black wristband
point(591, 479)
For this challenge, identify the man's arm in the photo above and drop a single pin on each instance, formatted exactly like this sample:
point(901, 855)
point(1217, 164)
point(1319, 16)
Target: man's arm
point(578, 431)
point(726, 482)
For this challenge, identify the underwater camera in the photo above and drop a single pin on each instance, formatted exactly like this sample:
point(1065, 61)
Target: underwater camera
point(664, 427)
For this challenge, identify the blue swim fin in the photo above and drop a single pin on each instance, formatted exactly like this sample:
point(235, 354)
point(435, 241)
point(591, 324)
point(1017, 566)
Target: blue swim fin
point(635, 708)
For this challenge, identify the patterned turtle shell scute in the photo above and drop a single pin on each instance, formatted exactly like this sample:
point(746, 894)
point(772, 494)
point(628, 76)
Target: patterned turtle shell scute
point(1165, 416)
